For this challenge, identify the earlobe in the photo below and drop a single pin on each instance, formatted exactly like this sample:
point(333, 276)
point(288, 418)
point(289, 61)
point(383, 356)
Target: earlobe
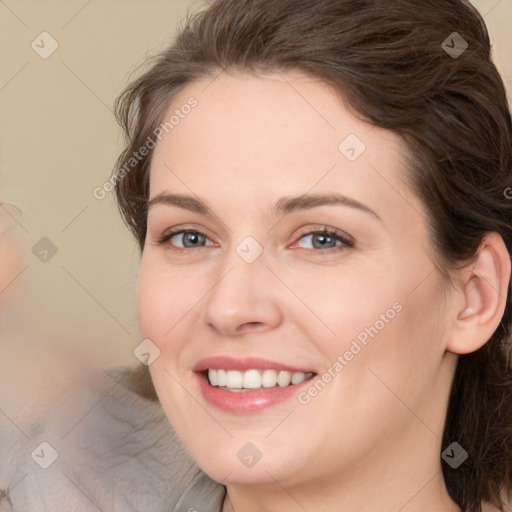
point(483, 291)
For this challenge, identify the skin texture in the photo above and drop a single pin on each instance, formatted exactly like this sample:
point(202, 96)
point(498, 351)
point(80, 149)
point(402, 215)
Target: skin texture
point(377, 425)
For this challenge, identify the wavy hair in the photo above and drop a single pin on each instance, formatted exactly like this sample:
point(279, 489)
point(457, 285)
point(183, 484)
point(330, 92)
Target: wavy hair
point(390, 62)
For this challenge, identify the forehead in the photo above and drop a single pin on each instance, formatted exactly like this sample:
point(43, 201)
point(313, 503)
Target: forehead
point(279, 132)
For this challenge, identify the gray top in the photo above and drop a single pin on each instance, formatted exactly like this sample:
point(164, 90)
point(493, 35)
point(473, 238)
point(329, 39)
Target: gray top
point(107, 446)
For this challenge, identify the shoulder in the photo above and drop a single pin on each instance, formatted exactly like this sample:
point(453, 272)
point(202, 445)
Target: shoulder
point(106, 445)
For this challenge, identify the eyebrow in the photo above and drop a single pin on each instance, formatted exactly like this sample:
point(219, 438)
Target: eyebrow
point(282, 206)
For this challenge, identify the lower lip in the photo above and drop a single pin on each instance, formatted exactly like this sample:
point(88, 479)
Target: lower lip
point(247, 401)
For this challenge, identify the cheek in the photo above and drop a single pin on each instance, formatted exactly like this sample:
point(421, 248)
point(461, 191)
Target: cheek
point(401, 344)
point(389, 322)
point(348, 301)
point(162, 300)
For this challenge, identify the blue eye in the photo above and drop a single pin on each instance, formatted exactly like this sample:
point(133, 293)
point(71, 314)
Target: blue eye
point(189, 236)
point(324, 240)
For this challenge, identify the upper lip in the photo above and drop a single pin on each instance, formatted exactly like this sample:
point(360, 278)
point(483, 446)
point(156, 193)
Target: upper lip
point(248, 363)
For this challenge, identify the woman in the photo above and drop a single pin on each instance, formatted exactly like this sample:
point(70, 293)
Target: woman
point(324, 286)
point(318, 190)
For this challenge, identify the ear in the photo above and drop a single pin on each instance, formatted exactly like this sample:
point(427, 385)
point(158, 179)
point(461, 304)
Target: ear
point(480, 299)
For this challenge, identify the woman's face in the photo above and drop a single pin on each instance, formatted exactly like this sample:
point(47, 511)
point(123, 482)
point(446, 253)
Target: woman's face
point(255, 168)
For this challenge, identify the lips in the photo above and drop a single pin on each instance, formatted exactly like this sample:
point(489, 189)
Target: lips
point(249, 363)
point(248, 400)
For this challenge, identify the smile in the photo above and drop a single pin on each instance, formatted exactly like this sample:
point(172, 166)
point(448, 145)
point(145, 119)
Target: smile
point(254, 379)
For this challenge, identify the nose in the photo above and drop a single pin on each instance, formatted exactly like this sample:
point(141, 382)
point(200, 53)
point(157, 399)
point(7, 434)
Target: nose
point(244, 298)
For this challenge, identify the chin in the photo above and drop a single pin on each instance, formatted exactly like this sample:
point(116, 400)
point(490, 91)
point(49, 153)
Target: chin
point(241, 462)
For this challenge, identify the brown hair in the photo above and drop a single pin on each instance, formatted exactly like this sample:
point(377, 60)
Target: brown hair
point(387, 60)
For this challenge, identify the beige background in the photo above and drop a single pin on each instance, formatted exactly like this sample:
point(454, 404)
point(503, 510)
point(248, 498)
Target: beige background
point(58, 141)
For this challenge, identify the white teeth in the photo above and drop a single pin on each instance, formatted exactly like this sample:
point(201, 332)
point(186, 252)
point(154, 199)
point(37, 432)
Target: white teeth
point(252, 379)
point(212, 377)
point(269, 378)
point(221, 377)
point(234, 379)
point(284, 379)
point(297, 378)
point(255, 379)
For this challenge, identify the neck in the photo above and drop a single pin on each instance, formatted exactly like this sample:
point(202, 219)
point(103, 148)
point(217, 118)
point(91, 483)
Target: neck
point(427, 499)
point(400, 474)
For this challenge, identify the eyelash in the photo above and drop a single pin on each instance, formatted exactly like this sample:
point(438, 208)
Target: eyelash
point(346, 242)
